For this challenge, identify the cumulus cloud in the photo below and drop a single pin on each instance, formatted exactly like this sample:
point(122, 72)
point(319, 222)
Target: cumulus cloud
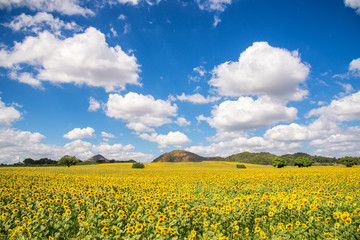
point(340, 110)
point(243, 144)
point(247, 113)
point(340, 144)
point(16, 145)
point(79, 133)
point(327, 132)
point(8, 114)
point(354, 67)
point(176, 139)
point(107, 135)
point(78, 148)
point(39, 22)
point(197, 98)
point(182, 122)
point(262, 70)
point(67, 7)
point(120, 152)
point(292, 132)
point(355, 4)
point(27, 78)
point(140, 111)
point(213, 5)
point(84, 58)
point(94, 105)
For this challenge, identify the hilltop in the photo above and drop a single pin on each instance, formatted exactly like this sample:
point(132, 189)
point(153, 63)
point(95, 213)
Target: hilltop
point(181, 156)
point(97, 158)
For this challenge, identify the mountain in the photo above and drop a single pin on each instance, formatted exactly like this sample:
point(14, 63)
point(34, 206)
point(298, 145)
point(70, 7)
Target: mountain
point(98, 158)
point(180, 156)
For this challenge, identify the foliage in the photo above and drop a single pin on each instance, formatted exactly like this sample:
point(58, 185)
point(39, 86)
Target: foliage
point(68, 160)
point(348, 161)
point(30, 161)
point(183, 201)
point(290, 158)
point(138, 165)
point(263, 158)
point(324, 160)
point(240, 166)
point(279, 162)
point(302, 162)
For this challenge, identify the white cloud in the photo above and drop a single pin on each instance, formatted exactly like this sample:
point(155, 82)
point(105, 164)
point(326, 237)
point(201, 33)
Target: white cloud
point(340, 110)
point(132, 2)
point(8, 114)
point(139, 127)
point(112, 149)
point(78, 148)
point(39, 22)
point(17, 145)
point(341, 144)
point(355, 4)
point(127, 28)
point(354, 67)
point(94, 105)
point(122, 17)
point(262, 70)
point(347, 87)
point(217, 20)
point(107, 135)
point(140, 111)
point(182, 122)
point(176, 139)
point(200, 70)
point(246, 113)
point(84, 58)
point(113, 31)
point(222, 135)
point(243, 144)
point(292, 132)
point(78, 133)
point(26, 78)
point(197, 98)
point(67, 7)
point(120, 152)
point(213, 5)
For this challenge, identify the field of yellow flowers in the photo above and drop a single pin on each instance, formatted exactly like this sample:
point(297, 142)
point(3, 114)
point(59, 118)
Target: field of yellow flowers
point(208, 200)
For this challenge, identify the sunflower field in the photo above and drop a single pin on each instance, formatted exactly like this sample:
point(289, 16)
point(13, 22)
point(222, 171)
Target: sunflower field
point(208, 200)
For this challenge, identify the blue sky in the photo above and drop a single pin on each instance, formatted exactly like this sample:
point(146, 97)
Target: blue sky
point(132, 79)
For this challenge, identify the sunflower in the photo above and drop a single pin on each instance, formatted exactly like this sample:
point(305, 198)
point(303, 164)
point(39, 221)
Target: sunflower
point(139, 227)
point(105, 230)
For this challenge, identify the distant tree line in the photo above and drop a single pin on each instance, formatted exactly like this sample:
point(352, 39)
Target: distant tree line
point(66, 160)
point(41, 161)
point(266, 158)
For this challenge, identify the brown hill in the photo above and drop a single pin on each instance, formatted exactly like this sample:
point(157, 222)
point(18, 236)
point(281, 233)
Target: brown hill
point(180, 156)
point(97, 158)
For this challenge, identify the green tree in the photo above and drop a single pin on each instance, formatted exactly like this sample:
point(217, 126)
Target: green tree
point(29, 161)
point(68, 160)
point(138, 165)
point(279, 162)
point(348, 161)
point(302, 162)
